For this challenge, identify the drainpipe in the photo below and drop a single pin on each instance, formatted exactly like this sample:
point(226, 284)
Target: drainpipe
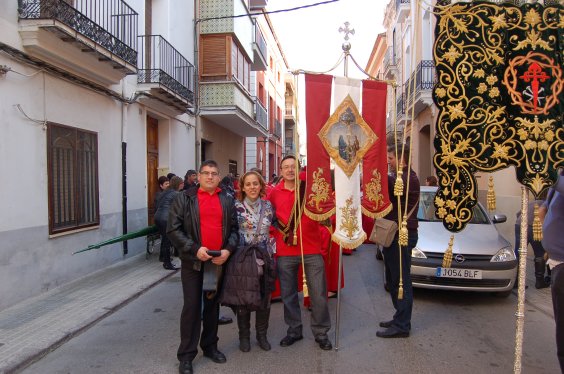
point(124, 169)
point(197, 120)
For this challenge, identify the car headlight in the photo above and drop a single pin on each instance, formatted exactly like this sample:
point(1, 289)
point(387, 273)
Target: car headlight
point(504, 254)
point(417, 253)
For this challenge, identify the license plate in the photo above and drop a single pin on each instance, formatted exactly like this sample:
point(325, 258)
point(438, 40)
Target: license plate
point(458, 273)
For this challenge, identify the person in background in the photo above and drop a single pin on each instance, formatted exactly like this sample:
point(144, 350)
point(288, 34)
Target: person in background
point(201, 221)
point(538, 250)
point(190, 179)
point(163, 185)
point(553, 242)
point(170, 175)
point(161, 218)
point(400, 325)
point(431, 181)
point(250, 275)
point(288, 254)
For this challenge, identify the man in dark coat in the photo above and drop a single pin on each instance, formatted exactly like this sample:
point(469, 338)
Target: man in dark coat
point(400, 325)
point(201, 221)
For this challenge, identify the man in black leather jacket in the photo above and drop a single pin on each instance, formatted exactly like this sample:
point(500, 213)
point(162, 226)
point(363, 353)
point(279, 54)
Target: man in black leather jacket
point(193, 228)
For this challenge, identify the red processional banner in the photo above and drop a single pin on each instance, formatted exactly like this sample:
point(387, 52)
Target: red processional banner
point(319, 201)
point(375, 198)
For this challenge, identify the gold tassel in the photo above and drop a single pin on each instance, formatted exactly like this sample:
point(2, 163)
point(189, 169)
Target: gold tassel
point(400, 291)
point(537, 225)
point(403, 234)
point(305, 290)
point(398, 187)
point(447, 259)
point(490, 197)
point(295, 238)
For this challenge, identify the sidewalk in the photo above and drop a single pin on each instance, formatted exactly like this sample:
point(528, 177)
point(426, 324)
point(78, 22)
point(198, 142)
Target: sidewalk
point(36, 326)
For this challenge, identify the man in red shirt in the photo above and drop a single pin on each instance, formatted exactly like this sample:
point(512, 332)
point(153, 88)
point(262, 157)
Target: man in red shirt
point(202, 222)
point(291, 239)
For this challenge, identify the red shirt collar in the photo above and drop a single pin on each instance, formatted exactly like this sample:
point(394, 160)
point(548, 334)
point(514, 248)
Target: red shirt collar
point(202, 192)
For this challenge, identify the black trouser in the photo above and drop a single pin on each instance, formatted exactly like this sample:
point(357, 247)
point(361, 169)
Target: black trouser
point(557, 287)
point(164, 254)
point(404, 307)
point(191, 317)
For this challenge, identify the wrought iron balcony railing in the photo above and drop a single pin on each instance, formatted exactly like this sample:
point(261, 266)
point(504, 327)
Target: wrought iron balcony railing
point(400, 104)
point(402, 2)
point(110, 23)
point(424, 76)
point(261, 115)
point(260, 62)
point(389, 58)
point(277, 129)
point(161, 63)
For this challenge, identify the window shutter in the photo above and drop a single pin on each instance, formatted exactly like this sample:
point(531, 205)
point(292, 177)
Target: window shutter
point(214, 55)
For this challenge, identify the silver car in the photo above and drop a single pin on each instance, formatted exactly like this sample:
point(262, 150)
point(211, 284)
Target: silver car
point(482, 259)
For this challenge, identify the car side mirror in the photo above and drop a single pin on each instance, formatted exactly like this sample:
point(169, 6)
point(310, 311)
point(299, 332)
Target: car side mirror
point(499, 218)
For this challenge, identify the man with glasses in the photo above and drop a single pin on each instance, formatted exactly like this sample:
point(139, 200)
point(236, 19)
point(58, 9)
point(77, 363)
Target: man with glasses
point(291, 240)
point(202, 222)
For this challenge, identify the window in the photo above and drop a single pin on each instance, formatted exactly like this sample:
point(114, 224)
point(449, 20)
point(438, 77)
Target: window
point(72, 162)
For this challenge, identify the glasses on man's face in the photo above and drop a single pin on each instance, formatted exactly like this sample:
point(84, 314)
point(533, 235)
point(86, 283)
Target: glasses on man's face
point(288, 167)
point(208, 173)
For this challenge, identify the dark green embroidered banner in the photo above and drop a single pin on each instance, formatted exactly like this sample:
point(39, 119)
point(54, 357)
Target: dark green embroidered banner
point(500, 96)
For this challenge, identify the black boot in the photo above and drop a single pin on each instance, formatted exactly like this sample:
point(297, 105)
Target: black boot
point(540, 265)
point(244, 324)
point(263, 315)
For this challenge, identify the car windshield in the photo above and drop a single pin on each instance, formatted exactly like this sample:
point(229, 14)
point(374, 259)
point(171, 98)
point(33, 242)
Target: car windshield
point(426, 212)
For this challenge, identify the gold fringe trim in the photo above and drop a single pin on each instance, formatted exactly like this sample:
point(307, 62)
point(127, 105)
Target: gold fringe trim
point(319, 217)
point(380, 214)
point(347, 243)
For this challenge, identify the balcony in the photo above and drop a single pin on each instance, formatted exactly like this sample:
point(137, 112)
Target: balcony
point(260, 52)
point(403, 7)
point(390, 64)
point(257, 4)
point(289, 115)
point(228, 104)
point(99, 37)
point(277, 130)
point(424, 78)
point(261, 115)
point(165, 75)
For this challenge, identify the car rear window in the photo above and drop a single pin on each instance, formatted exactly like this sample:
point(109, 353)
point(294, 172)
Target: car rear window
point(426, 212)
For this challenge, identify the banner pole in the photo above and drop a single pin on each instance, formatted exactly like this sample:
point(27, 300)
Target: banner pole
point(522, 278)
point(338, 316)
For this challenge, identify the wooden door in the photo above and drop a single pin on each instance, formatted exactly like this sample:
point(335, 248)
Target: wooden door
point(152, 166)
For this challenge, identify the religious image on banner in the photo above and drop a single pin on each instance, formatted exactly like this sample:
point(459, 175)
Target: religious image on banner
point(346, 136)
point(500, 96)
point(352, 143)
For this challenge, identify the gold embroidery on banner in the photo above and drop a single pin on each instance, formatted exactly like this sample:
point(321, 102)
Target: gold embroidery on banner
point(374, 189)
point(349, 220)
point(320, 189)
point(475, 130)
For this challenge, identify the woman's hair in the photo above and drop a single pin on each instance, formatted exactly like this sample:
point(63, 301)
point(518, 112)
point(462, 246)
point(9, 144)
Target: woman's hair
point(175, 183)
point(242, 194)
point(162, 179)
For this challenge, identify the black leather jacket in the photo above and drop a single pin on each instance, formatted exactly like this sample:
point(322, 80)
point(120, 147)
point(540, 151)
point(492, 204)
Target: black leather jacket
point(183, 226)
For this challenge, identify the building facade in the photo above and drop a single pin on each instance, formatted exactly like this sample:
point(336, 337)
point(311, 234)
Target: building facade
point(265, 152)
point(96, 101)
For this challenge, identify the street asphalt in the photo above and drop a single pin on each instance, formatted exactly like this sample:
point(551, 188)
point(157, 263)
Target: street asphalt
point(124, 319)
